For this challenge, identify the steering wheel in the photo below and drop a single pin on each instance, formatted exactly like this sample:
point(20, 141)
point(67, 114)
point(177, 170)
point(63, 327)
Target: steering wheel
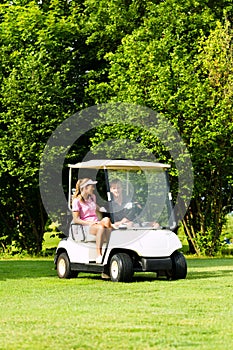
point(131, 210)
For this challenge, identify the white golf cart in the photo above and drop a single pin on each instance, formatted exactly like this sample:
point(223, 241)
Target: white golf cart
point(138, 247)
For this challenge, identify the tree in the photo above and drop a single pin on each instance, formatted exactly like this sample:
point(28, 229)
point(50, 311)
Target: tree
point(211, 145)
point(42, 82)
point(58, 57)
point(46, 60)
point(160, 65)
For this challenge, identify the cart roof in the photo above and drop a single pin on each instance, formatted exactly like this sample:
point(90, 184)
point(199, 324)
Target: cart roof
point(119, 164)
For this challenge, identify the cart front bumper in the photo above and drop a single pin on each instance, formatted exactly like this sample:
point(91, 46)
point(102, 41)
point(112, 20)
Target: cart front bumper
point(153, 264)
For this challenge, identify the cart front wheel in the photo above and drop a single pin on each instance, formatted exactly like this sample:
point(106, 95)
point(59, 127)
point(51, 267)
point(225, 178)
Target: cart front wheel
point(121, 268)
point(179, 267)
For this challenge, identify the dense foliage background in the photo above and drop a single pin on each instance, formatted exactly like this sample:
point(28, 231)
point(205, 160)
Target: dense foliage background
point(58, 57)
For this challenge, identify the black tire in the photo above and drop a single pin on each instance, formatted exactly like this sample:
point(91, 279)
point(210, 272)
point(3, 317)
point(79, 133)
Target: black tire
point(74, 274)
point(179, 267)
point(64, 268)
point(121, 268)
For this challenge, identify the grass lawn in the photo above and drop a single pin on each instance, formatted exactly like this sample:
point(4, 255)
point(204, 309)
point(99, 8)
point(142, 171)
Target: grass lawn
point(40, 311)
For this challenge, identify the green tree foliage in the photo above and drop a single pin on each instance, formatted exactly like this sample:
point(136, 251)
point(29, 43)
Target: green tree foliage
point(57, 57)
point(211, 140)
point(42, 76)
point(44, 69)
point(179, 63)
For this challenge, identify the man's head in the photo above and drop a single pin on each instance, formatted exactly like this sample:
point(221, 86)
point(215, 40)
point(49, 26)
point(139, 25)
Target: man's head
point(116, 188)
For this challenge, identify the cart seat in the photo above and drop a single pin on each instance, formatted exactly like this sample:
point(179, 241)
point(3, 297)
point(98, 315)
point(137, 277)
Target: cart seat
point(80, 233)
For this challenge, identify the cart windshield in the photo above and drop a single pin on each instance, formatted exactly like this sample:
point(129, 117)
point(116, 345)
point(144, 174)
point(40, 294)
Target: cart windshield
point(141, 196)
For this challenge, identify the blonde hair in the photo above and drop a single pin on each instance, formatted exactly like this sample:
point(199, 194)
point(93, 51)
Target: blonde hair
point(79, 183)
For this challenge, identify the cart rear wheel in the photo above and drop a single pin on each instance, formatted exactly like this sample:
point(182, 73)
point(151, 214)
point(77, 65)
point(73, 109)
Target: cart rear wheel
point(64, 268)
point(121, 268)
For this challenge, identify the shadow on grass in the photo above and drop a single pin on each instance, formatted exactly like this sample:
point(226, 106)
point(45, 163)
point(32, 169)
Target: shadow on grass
point(151, 277)
point(196, 268)
point(38, 268)
point(209, 274)
point(209, 262)
point(18, 269)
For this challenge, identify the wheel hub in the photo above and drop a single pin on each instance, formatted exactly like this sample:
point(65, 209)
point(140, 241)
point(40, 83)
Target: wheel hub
point(62, 267)
point(114, 269)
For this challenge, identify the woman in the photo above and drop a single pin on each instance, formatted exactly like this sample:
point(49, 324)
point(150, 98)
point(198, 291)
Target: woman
point(84, 213)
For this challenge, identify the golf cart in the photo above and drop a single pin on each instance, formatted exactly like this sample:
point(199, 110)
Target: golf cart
point(141, 246)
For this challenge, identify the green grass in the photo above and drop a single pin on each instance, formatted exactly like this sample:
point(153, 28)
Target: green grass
point(40, 311)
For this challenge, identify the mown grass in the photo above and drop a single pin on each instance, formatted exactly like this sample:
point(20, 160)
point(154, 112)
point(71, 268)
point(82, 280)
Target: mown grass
point(40, 311)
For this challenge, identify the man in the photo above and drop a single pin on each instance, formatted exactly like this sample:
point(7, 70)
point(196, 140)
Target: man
point(124, 210)
point(120, 204)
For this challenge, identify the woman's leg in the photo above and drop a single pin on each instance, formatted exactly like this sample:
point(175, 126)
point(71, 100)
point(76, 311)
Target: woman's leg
point(106, 222)
point(107, 234)
point(99, 231)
